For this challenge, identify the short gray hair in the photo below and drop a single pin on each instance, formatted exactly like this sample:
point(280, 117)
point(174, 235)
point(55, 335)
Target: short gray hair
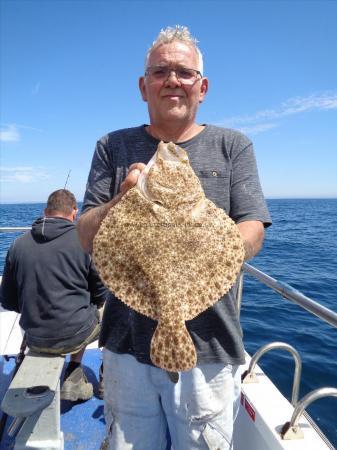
point(177, 33)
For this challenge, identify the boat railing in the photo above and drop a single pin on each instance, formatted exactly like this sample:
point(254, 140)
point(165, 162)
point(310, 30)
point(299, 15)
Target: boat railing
point(13, 229)
point(250, 377)
point(291, 430)
point(289, 293)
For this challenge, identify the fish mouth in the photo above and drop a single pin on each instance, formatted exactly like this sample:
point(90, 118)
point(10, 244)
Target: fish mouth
point(168, 152)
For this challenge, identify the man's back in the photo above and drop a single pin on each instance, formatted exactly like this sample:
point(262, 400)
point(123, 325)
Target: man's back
point(47, 279)
point(50, 280)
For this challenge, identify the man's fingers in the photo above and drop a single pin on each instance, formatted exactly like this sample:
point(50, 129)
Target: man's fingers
point(132, 177)
point(130, 180)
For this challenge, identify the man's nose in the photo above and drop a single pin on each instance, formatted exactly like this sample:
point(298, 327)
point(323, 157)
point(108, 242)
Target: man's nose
point(172, 79)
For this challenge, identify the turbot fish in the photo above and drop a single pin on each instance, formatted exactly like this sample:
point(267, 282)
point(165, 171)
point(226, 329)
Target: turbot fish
point(169, 253)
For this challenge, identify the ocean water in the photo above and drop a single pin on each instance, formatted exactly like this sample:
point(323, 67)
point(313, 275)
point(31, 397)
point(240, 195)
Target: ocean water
point(300, 249)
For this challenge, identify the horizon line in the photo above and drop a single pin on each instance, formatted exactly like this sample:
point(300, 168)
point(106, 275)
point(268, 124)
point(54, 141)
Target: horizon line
point(273, 197)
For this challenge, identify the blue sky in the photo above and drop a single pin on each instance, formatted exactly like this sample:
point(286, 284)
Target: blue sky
point(69, 74)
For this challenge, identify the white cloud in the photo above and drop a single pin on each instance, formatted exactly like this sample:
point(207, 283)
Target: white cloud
point(257, 128)
point(9, 133)
point(256, 123)
point(26, 127)
point(23, 174)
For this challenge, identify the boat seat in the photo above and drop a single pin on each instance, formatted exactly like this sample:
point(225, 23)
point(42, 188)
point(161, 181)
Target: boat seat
point(33, 399)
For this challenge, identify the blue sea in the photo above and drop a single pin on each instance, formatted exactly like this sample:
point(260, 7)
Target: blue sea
point(300, 249)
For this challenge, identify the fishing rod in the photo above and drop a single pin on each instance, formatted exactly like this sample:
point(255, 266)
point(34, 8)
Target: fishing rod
point(67, 179)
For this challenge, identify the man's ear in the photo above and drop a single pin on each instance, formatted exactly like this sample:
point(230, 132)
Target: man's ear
point(75, 211)
point(203, 89)
point(142, 88)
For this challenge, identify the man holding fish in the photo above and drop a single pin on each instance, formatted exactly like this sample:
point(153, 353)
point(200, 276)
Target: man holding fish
point(198, 405)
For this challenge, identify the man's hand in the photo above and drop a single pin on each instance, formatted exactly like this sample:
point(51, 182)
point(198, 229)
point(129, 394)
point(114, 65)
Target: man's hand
point(90, 221)
point(252, 232)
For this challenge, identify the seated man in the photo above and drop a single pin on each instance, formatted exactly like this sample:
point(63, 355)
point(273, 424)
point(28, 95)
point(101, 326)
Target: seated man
point(51, 281)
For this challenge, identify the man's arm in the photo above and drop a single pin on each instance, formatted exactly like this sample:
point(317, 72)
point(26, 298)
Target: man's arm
point(252, 232)
point(8, 291)
point(90, 221)
point(98, 292)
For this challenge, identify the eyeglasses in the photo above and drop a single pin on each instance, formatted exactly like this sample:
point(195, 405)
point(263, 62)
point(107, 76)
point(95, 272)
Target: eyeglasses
point(184, 75)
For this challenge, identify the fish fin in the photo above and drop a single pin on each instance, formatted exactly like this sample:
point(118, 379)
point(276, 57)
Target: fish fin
point(172, 348)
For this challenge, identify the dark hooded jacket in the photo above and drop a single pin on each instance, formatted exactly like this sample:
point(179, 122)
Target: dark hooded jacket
point(51, 281)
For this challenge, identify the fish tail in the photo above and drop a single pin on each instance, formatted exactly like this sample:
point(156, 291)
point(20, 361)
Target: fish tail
point(172, 348)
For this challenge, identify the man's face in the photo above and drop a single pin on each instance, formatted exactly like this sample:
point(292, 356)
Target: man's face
point(170, 100)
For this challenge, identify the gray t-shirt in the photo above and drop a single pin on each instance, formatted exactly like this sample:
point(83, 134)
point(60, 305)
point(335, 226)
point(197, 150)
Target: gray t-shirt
point(224, 161)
